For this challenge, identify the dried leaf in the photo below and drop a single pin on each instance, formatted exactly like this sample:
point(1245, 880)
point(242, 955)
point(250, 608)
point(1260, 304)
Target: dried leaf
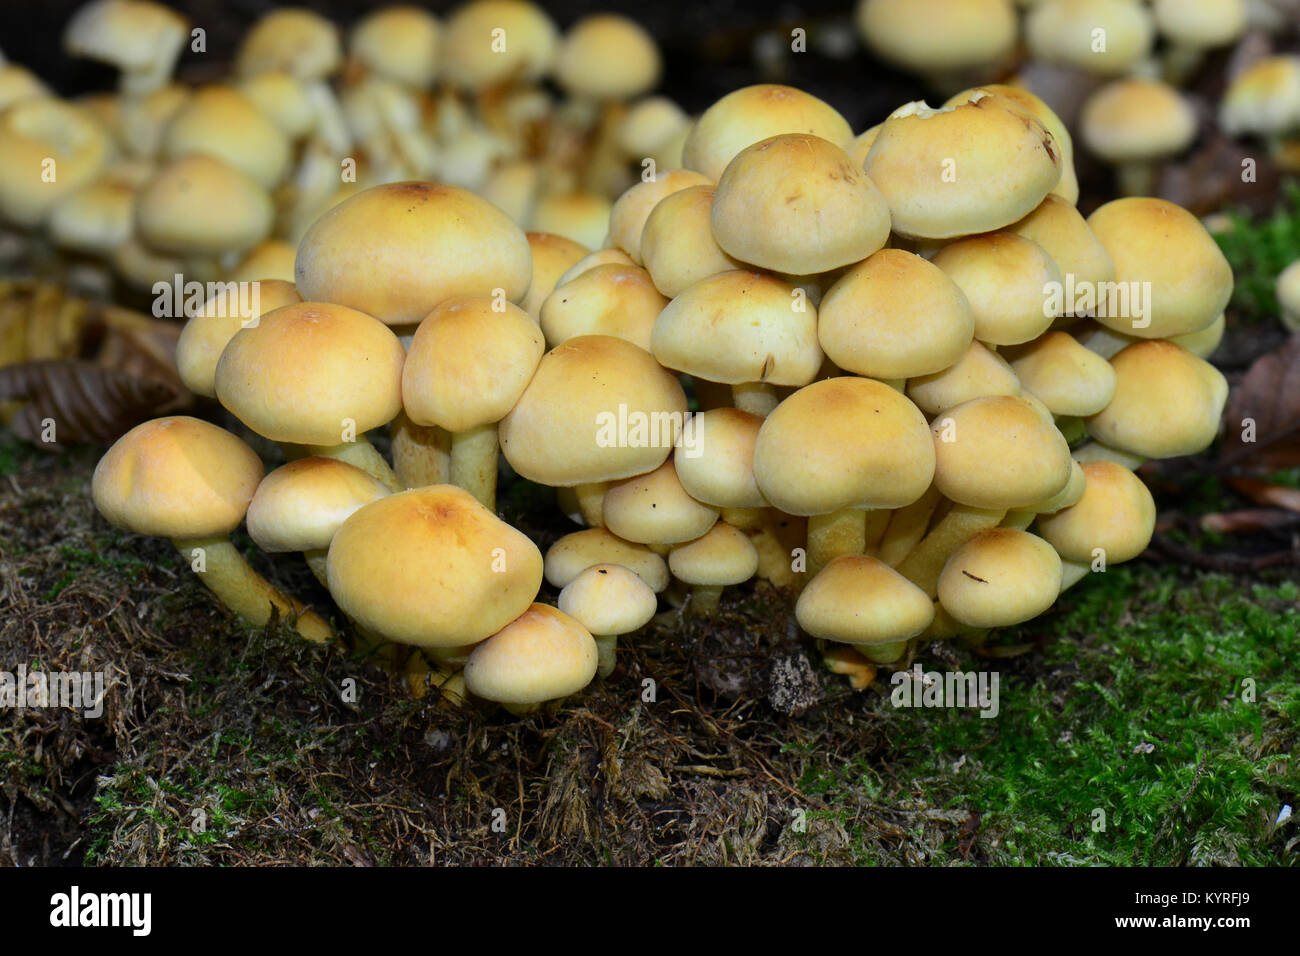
point(1262, 493)
point(1246, 520)
point(1266, 407)
point(85, 402)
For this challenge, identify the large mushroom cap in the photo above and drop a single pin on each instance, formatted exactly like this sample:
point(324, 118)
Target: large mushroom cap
point(654, 508)
point(1007, 280)
point(1264, 99)
point(1065, 236)
point(396, 251)
point(432, 567)
point(399, 43)
point(300, 505)
point(894, 315)
point(220, 121)
point(1167, 402)
point(607, 57)
point(737, 327)
point(35, 132)
point(1064, 32)
point(1000, 577)
point(970, 168)
point(938, 36)
point(715, 463)
point(797, 204)
point(1137, 120)
point(628, 216)
point(677, 243)
point(468, 363)
point(999, 452)
point(1160, 247)
point(177, 477)
point(201, 205)
point(1064, 375)
point(753, 113)
point(542, 655)
point(611, 299)
point(858, 599)
point(473, 52)
point(606, 387)
point(1115, 513)
point(841, 443)
point(209, 331)
point(311, 373)
point(290, 40)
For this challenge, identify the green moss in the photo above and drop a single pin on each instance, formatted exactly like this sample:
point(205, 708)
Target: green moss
point(1145, 714)
point(1259, 250)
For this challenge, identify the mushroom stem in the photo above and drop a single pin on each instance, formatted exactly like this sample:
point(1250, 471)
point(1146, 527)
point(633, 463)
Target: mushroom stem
point(907, 527)
point(244, 591)
point(421, 453)
point(606, 654)
point(359, 453)
point(474, 463)
point(945, 626)
point(1072, 572)
point(847, 660)
point(1020, 519)
point(774, 562)
point(1136, 179)
point(757, 398)
point(883, 653)
point(316, 561)
point(591, 502)
point(877, 519)
point(834, 534)
point(705, 599)
point(1073, 428)
point(958, 526)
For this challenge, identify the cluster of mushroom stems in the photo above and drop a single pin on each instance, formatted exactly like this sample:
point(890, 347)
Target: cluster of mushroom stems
point(897, 374)
point(124, 189)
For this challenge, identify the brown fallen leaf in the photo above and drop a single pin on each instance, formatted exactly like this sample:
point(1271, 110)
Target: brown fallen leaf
point(1263, 493)
point(69, 400)
point(1247, 520)
point(1265, 407)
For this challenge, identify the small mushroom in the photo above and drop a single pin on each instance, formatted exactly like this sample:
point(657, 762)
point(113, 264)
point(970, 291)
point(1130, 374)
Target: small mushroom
point(542, 655)
point(723, 556)
point(609, 600)
point(861, 601)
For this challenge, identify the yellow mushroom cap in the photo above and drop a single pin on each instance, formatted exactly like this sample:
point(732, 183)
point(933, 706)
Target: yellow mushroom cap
point(618, 300)
point(970, 168)
point(491, 42)
point(894, 315)
point(432, 567)
point(95, 219)
point(300, 505)
point(1137, 120)
point(753, 113)
point(1019, 98)
point(608, 600)
point(979, 373)
point(176, 477)
point(580, 216)
point(1157, 242)
point(18, 83)
point(715, 460)
point(1200, 24)
point(622, 414)
point(576, 552)
point(857, 599)
point(220, 121)
point(48, 150)
point(797, 204)
point(842, 443)
point(1065, 236)
point(1065, 32)
point(201, 205)
point(938, 36)
point(998, 452)
point(468, 363)
point(293, 40)
point(1115, 513)
point(1288, 295)
point(141, 39)
point(677, 243)
point(738, 327)
point(312, 373)
point(399, 43)
point(542, 655)
point(1068, 378)
point(284, 100)
point(654, 508)
point(607, 57)
point(1264, 99)
point(627, 217)
point(209, 331)
point(1000, 577)
point(552, 256)
point(395, 251)
point(1007, 280)
point(1167, 402)
point(721, 557)
point(271, 259)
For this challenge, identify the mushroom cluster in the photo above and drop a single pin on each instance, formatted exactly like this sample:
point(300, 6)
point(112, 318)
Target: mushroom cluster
point(220, 181)
point(898, 374)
